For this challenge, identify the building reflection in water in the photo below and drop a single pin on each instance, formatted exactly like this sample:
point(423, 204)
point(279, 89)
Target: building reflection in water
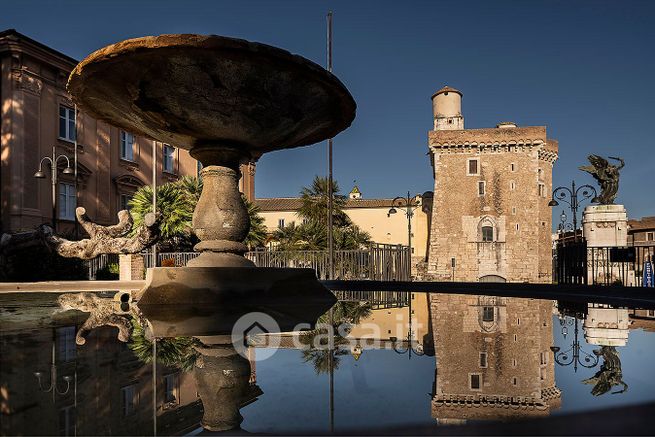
point(493, 358)
point(111, 389)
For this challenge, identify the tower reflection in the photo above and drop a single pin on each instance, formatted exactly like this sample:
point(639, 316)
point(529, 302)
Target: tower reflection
point(493, 358)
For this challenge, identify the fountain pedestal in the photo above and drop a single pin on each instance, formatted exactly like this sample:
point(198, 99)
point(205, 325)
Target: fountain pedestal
point(225, 100)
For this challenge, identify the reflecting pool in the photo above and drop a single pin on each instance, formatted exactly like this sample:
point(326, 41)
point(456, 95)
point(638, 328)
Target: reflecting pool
point(376, 361)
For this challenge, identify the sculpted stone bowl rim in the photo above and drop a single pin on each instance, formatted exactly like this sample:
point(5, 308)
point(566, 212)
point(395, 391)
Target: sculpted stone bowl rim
point(121, 104)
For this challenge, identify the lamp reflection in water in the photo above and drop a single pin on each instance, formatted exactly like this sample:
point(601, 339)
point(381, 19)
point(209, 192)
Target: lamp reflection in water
point(574, 355)
point(53, 387)
point(410, 345)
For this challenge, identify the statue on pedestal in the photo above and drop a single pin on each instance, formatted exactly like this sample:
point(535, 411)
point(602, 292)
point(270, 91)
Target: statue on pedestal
point(607, 176)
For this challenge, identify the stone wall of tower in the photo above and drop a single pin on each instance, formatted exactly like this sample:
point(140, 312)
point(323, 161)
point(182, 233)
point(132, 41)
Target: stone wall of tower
point(519, 366)
point(515, 167)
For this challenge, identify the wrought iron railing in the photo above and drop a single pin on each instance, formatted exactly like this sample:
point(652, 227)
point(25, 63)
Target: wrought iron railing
point(575, 263)
point(99, 263)
point(381, 262)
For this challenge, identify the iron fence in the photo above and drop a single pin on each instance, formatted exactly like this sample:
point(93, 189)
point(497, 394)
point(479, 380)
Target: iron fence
point(576, 263)
point(99, 263)
point(381, 262)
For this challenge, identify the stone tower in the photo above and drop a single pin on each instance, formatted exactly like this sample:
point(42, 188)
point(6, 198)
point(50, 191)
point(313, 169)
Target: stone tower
point(490, 215)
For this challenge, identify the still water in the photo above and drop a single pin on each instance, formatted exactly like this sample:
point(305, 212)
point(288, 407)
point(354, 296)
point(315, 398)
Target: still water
point(397, 360)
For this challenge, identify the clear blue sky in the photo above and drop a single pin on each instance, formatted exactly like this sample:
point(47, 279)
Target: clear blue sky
point(584, 69)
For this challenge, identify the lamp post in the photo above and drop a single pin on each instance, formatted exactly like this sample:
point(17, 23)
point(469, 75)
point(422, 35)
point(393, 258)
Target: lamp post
point(563, 225)
point(573, 197)
point(409, 204)
point(412, 346)
point(53, 379)
point(574, 355)
point(40, 174)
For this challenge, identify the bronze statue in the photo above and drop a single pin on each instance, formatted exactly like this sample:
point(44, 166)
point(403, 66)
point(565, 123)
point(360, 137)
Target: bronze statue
point(607, 176)
point(610, 373)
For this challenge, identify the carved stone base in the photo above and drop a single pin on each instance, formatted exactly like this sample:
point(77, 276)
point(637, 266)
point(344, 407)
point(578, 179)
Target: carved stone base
point(605, 226)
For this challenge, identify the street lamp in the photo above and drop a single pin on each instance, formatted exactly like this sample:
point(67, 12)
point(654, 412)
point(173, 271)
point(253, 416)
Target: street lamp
point(574, 355)
point(573, 197)
point(563, 226)
point(412, 345)
point(40, 174)
point(409, 204)
point(53, 379)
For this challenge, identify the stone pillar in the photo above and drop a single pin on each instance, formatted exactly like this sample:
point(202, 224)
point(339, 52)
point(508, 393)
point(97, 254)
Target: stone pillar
point(131, 267)
point(605, 226)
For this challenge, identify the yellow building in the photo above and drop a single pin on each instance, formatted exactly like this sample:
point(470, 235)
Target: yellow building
point(370, 215)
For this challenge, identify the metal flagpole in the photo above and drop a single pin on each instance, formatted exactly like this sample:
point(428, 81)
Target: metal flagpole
point(77, 196)
point(330, 235)
point(154, 195)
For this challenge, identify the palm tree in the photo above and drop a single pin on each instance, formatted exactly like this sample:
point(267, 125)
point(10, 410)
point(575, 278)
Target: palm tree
point(172, 203)
point(177, 200)
point(177, 352)
point(191, 187)
point(257, 234)
point(315, 203)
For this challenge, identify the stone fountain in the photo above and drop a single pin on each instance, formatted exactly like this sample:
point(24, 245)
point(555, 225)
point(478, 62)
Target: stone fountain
point(227, 101)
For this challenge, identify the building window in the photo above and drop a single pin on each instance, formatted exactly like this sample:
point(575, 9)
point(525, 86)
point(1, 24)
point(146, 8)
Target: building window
point(543, 358)
point(518, 320)
point(483, 359)
point(66, 123)
point(481, 186)
point(65, 343)
point(67, 420)
point(168, 159)
point(518, 228)
point(488, 314)
point(305, 221)
point(171, 383)
point(473, 167)
point(67, 201)
point(513, 210)
point(127, 146)
point(514, 362)
point(542, 373)
point(651, 313)
point(512, 185)
point(512, 167)
point(487, 234)
point(540, 174)
point(124, 202)
point(542, 190)
point(650, 236)
point(280, 223)
point(129, 396)
point(475, 381)
point(515, 381)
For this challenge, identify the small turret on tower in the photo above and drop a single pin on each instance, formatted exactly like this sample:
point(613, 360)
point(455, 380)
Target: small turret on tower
point(447, 109)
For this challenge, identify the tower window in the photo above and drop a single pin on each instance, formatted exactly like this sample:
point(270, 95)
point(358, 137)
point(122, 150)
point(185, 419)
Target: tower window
point(542, 190)
point(473, 167)
point(475, 381)
point(483, 359)
point(481, 188)
point(488, 314)
point(515, 381)
point(512, 167)
point(487, 234)
point(512, 185)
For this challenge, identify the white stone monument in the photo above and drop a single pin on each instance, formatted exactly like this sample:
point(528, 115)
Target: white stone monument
point(605, 226)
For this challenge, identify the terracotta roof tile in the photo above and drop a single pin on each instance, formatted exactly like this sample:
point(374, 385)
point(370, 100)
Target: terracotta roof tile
point(642, 224)
point(294, 203)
